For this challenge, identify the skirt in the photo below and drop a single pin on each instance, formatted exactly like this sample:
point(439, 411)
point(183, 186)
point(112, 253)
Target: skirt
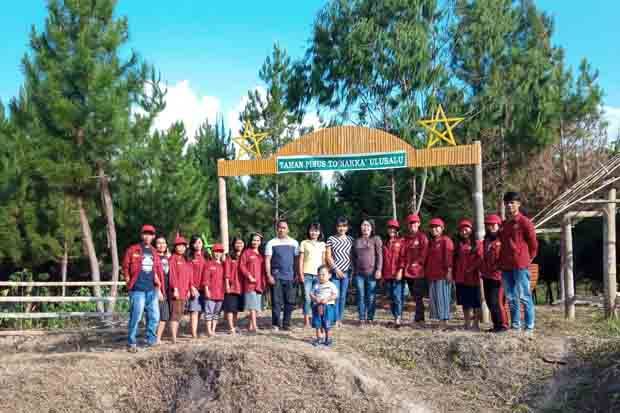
point(440, 292)
point(233, 303)
point(468, 296)
point(177, 308)
point(252, 301)
point(196, 304)
point(164, 311)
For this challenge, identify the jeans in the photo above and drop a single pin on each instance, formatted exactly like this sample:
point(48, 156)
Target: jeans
point(309, 281)
point(143, 302)
point(517, 289)
point(396, 289)
point(366, 286)
point(342, 284)
point(283, 294)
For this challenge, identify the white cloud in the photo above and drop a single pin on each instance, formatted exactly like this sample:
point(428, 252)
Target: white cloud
point(232, 118)
point(184, 104)
point(612, 115)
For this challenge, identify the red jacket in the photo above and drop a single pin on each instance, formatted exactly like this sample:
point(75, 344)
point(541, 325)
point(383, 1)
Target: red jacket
point(519, 243)
point(181, 272)
point(252, 264)
point(439, 258)
point(490, 263)
point(467, 264)
point(213, 279)
point(391, 257)
point(413, 255)
point(231, 273)
point(198, 264)
point(132, 264)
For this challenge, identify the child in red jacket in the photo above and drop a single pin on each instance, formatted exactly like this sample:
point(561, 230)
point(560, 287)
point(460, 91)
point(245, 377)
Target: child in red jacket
point(391, 274)
point(492, 275)
point(412, 260)
point(467, 262)
point(233, 303)
point(213, 286)
point(438, 271)
point(181, 273)
point(253, 278)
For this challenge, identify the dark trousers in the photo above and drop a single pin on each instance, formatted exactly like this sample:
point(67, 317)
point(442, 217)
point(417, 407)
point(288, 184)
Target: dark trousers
point(283, 295)
point(417, 290)
point(494, 296)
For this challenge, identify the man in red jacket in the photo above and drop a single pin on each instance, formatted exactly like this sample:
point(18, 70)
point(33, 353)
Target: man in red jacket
point(143, 274)
point(519, 247)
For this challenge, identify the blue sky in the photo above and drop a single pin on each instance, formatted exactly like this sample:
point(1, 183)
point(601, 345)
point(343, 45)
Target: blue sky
point(209, 52)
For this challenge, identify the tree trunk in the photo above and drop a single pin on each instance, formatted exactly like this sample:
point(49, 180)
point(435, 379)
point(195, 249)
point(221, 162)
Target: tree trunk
point(414, 194)
point(87, 237)
point(64, 263)
point(422, 191)
point(108, 211)
point(393, 191)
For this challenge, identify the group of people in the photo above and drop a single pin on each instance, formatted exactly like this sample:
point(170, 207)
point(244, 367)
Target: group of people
point(166, 285)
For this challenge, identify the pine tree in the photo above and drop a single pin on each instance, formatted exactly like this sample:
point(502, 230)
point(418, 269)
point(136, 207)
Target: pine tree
point(161, 184)
point(502, 55)
point(380, 64)
point(82, 92)
point(275, 114)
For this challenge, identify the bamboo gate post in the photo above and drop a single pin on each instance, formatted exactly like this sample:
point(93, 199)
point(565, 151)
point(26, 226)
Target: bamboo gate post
point(479, 224)
point(567, 270)
point(609, 256)
point(223, 204)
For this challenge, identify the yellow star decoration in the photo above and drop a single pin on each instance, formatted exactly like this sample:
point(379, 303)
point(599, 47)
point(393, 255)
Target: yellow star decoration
point(437, 135)
point(249, 141)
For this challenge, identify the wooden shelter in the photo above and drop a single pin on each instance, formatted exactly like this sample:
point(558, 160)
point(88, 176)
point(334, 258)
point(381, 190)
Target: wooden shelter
point(593, 196)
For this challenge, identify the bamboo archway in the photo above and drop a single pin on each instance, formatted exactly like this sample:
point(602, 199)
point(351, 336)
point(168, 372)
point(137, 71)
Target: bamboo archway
point(351, 148)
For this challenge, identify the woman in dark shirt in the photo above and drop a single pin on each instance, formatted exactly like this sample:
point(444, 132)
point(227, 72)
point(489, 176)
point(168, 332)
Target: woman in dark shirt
point(367, 263)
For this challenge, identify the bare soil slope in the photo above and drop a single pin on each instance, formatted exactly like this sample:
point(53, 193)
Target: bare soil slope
point(368, 370)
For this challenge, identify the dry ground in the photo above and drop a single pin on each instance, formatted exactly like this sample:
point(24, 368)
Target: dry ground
point(564, 367)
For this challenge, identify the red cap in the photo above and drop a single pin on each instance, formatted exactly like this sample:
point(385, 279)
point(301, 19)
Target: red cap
point(179, 240)
point(493, 219)
point(218, 248)
point(148, 228)
point(465, 223)
point(393, 223)
point(413, 218)
point(436, 222)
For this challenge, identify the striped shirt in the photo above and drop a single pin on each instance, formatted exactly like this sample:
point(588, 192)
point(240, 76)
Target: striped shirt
point(341, 251)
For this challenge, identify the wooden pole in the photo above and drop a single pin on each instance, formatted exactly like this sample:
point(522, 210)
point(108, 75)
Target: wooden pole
point(479, 226)
point(609, 237)
point(569, 302)
point(221, 183)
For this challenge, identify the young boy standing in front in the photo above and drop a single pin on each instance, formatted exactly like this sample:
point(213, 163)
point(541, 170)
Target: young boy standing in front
point(323, 296)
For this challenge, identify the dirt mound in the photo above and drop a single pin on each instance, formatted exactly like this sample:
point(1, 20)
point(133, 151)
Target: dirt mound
point(216, 377)
point(460, 371)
